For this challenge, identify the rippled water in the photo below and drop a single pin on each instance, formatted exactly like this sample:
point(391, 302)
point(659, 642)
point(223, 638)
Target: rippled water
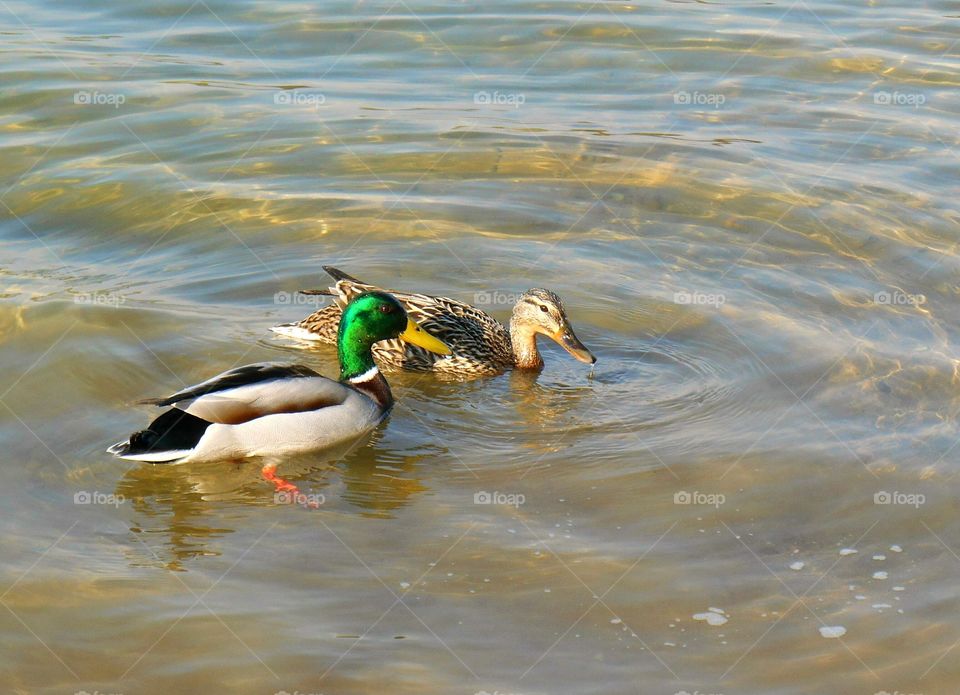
point(750, 211)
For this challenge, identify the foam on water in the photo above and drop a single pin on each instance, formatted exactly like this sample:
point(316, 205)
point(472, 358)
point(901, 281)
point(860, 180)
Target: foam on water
point(833, 631)
point(713, 616)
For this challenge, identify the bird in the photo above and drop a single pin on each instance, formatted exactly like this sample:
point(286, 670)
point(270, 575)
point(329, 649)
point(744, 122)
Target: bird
point(480, 344)
point(270, 409)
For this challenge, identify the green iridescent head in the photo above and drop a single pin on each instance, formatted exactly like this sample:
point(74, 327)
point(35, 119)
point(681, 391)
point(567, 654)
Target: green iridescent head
point(370, 318)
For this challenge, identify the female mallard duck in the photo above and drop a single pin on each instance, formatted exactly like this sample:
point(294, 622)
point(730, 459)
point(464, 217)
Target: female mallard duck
point(480, 344)
point(268, 409)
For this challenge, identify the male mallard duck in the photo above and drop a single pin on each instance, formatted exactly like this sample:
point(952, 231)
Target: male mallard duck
point(480, 344)
point(267, 408)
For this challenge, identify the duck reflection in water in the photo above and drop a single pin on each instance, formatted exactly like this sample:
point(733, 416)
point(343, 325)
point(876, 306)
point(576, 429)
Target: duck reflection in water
point(182, 510)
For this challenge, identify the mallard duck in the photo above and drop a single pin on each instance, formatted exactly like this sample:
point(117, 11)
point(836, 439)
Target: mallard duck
point(480, 344)
point(273, 409)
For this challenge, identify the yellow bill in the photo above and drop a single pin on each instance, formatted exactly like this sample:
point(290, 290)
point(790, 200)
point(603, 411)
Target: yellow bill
point(415, 335)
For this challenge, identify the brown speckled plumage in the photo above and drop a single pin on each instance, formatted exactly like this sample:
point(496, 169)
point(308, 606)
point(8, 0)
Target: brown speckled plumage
point(481, 345)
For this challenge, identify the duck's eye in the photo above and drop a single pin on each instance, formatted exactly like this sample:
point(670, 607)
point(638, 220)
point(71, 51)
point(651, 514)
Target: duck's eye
point(386, 309)
point(543, 308)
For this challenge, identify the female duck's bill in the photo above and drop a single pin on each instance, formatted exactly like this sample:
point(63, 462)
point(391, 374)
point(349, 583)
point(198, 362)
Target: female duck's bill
point(269, 409)
point(569, 341)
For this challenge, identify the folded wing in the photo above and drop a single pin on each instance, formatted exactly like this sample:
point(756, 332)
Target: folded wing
point(256, 390)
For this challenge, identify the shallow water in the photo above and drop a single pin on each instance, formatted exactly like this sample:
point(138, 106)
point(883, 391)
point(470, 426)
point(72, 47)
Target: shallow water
point(750, 212)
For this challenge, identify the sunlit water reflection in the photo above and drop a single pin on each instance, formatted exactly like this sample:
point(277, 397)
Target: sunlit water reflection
point(750, 213)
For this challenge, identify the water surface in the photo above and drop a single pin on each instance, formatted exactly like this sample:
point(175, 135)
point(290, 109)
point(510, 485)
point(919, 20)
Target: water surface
point(750, 212)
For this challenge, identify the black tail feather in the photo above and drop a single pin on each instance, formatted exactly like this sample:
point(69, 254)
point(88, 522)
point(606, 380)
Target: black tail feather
point(175, 429)
point(338, 275)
